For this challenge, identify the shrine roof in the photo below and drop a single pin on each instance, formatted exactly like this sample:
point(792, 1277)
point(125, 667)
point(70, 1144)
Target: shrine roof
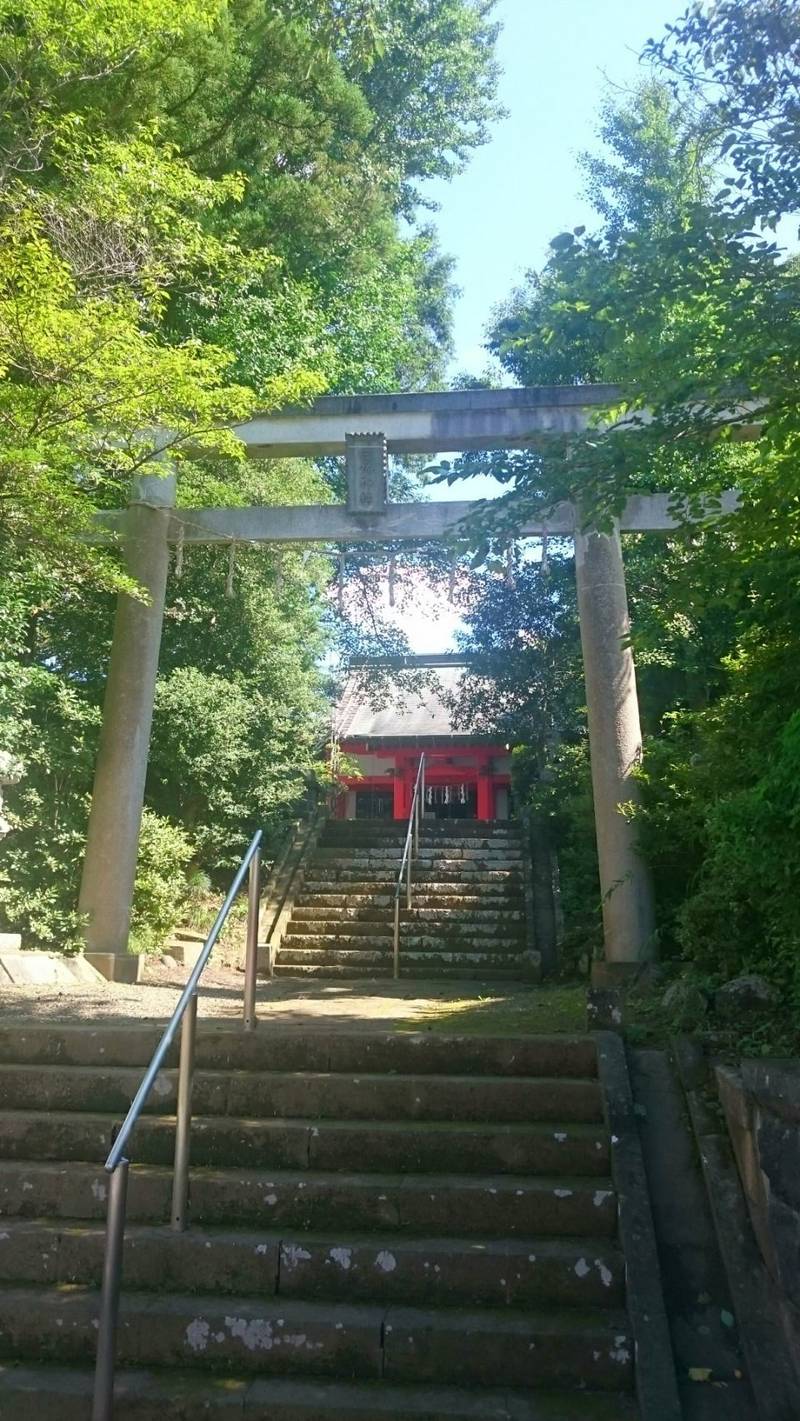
point(403, 698)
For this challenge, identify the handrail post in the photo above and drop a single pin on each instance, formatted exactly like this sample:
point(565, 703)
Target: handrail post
point(183, 1122)
point(251, 951)
point(408, 879)
point(103, 1399)
point(416, 819)
point(396, 945)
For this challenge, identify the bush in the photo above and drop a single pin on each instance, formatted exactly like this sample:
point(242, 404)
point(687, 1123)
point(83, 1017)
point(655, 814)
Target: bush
point(51, 729)
point(743, 914)
point(161, 882)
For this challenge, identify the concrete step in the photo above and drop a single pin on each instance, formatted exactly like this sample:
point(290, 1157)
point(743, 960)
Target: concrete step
point(573, 1148)
point(377, 927)
point(307, 1094)
point(432, 827)
point(564, 1349)
point(429, 828)
point(363, 961)
point(433, 897)
point(471, 840)
point(366, 963)
point(511, 1206)
point(449, 962)
point(284, 1336)
point(355, 874)
point(454, 1272)
point(490, 924)
point(223, 1047)
point(448, 857)
point(430, 971)
point(438, 972)
point(413, 939)
point(426, 936)
point(64, 1394)
point(353, 1267)
point(318, 908)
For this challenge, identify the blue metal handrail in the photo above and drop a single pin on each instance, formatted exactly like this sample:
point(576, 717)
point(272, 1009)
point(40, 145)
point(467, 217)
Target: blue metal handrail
point(410, 852)
point(185, 1015)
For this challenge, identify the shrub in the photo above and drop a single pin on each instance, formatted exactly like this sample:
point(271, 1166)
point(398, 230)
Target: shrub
point(744, 911)
point(159, 895)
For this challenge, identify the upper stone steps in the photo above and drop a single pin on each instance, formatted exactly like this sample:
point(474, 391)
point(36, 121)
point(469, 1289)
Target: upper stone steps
point(469, 916)
point(426, 854)
point(436, 896)
point(371, 830)
point(485, 937)
point(369, 910)
point(438, 871)
point(421, 967)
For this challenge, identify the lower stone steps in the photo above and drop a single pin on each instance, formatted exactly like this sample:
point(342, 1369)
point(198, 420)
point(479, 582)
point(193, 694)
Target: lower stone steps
point(332, 1144)
point(427, 1204)
point(383, 1267)
point(289, 1336)
point(327, 1096)
point(222, 1046)
point(436, 1214)
point(64, 1394)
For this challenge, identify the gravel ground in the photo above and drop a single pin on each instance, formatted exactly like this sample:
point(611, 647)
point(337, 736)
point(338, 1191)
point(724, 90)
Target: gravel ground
point(287, 1001)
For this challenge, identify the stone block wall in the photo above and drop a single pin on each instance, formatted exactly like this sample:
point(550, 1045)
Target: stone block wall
point(761, 1100)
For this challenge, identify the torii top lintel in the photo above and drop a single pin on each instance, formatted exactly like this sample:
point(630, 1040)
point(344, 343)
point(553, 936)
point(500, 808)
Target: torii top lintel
point(430, 422)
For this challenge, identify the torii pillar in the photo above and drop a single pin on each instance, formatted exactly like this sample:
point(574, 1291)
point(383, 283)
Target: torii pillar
point(615, 744)
point(112, 840)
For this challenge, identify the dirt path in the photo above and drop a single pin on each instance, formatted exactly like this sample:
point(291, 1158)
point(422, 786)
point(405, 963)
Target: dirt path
point(363, 1005)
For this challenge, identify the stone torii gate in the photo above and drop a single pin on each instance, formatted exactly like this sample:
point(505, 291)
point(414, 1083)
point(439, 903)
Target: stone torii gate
point(366, 429)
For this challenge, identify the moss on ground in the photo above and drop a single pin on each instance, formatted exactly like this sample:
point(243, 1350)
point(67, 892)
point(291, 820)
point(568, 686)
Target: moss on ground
point(545, 1009)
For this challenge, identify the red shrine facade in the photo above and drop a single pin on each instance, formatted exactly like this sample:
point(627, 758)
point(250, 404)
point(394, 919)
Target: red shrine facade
point(382, 734)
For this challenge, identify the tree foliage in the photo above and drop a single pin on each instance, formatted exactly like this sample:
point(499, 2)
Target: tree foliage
point(206, 208)
point(739, 59)
point(692, 314)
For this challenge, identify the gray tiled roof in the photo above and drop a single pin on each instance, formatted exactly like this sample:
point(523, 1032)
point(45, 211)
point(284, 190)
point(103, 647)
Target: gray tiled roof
point(401, 713)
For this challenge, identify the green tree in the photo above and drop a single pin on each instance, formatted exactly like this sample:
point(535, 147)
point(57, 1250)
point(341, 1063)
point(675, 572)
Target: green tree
point(738, 60)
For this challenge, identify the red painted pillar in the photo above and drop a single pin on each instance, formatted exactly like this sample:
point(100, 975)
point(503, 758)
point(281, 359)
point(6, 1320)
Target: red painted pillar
point(398, 807)
point(485, 793)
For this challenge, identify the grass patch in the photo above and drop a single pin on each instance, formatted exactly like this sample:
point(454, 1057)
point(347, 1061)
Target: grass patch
point(540, 1010)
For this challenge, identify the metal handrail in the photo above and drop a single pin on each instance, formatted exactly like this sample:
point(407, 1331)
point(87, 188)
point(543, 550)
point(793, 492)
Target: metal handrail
point(117, 1164)
point(410, 852)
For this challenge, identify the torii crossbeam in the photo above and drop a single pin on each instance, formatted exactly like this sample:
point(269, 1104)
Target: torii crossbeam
point(366, 429)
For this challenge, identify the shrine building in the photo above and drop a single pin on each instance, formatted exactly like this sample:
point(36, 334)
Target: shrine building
point(384, 730)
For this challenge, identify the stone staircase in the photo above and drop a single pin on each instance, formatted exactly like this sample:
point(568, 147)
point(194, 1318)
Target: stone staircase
point(404, 1227)
point(468, 918)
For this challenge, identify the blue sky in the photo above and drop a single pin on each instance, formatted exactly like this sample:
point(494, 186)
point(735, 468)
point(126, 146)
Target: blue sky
point(497, 217)
point(559, 62)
